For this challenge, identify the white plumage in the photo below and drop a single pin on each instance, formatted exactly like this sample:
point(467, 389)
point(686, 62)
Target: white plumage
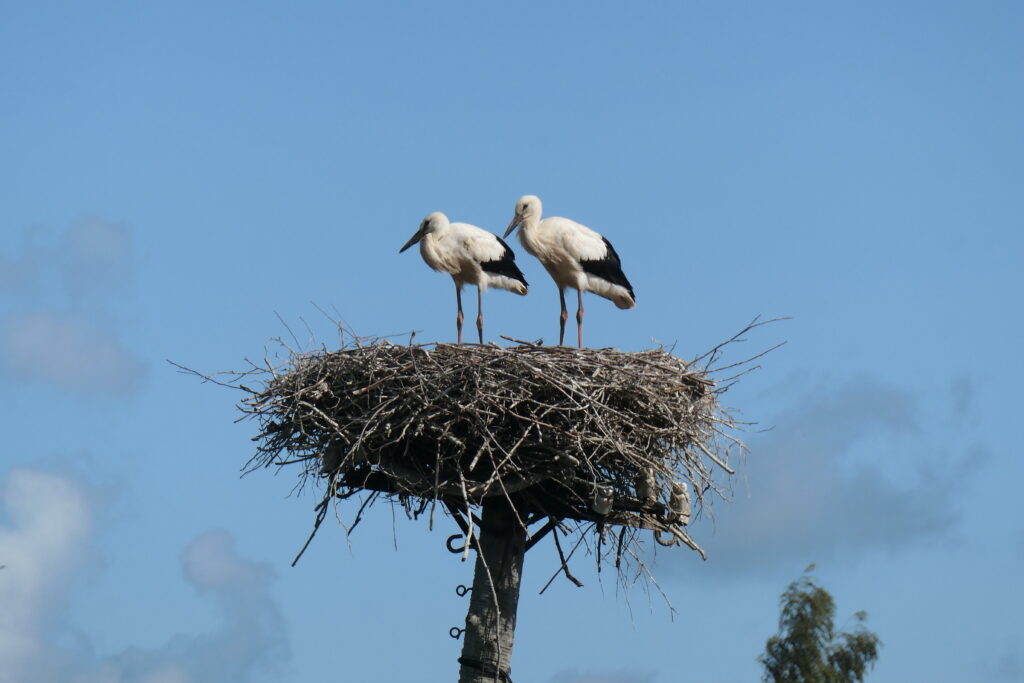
point(575, 256)
point(470, 255)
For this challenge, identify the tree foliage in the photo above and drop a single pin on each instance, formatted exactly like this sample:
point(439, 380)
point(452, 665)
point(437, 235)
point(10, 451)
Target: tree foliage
point(807, 649)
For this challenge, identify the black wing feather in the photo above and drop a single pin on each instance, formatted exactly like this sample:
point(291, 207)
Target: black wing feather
point(608, 268)
point(506, 265)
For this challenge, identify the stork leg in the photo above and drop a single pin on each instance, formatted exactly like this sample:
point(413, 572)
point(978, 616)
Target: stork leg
point(458, 318)
point(480, 315)
point(563, 318)
point(579, 317)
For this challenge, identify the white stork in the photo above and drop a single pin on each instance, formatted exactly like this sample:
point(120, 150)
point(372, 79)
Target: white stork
point(470, 255)
point(575, 256)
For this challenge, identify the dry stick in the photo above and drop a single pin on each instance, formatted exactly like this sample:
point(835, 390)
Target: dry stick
point(650, 577)
point(714, 459)
point(359, 392)
point(321, 512)
point(522, 343)
point(534, 538)
point(618, 550)
point(469, 517)
point(565, 563)
point(211, 379)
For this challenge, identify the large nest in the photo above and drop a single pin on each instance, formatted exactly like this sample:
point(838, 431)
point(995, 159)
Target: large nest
point(594, 437)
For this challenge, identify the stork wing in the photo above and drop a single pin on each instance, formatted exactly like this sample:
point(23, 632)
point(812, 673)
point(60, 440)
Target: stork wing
point(596, 256)
point(502, 261)
point(579, 241)
point(483, 246)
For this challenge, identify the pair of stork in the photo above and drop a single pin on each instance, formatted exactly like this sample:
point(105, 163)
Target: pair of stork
point(574, 255)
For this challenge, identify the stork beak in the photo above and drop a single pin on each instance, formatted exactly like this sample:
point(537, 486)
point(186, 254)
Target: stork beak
point(516, 220)
point(413, 240)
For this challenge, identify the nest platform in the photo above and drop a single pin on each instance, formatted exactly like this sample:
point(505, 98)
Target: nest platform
point(587, 435)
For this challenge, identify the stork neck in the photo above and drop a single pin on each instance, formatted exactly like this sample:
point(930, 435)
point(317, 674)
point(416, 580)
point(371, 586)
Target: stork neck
point(428, 246)
point(528, 235)
point(529, 222)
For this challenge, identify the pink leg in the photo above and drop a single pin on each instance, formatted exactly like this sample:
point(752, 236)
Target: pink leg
point(458, 318)
point(479, 315)
point(579, 317)
point(562, 318)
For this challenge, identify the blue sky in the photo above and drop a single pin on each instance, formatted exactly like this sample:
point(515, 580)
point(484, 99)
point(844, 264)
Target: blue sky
point(174, 176)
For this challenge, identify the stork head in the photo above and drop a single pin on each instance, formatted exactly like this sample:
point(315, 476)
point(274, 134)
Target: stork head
point(432, 223)
point(527, 207)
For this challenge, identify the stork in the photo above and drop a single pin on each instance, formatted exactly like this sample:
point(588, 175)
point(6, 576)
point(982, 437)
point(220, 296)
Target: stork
point(575, 256)
point(470, 255)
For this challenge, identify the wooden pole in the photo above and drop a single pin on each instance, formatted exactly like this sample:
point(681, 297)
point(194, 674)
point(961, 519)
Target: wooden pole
point(491, 620)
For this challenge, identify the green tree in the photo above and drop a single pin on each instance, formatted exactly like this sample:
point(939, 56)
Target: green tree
point(807, 649)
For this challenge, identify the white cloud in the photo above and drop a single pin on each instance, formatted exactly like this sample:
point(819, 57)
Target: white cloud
point(61, 286)
point(50, 525)
point(91, 256)
point(43, 547)
point(818, 486)
point(249, 645)
point(71, 353)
